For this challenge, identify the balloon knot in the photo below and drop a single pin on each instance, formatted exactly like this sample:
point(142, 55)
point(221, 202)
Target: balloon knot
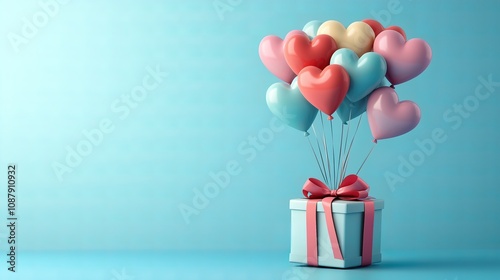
point(392, 86)
point(306, 133)
point(375, 141)
point(330, 118)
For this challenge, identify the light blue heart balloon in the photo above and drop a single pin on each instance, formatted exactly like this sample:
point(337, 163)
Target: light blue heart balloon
point(311, 28)
point(365, 73)
point(288, 104)
point(349, 110)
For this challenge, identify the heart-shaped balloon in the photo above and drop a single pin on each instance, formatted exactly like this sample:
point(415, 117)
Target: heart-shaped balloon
point(388, 117)
point(358, 36)
point(377, 27)
point(405, 59)
point(311, 28)
point(349, 110)
point(271, 54)
point(288, 104)
point(365, 73)
point(301, 52)
point(324, 89)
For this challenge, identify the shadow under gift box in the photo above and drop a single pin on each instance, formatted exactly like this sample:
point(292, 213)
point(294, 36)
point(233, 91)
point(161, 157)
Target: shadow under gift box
point(348, 217)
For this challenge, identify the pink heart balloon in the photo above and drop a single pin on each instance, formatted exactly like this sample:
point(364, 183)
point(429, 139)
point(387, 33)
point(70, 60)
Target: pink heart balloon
point(405, 59)
point(271, 54)
point(388, 117)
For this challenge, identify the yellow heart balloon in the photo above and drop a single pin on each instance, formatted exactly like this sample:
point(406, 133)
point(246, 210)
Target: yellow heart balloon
point(359, 36)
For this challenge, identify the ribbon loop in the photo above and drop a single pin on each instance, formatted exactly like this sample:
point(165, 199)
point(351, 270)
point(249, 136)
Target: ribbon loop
point(314, 188)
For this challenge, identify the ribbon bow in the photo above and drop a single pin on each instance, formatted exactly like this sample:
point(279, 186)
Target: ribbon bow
point(351, 188)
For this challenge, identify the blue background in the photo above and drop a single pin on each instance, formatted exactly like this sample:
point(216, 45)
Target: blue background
point(126, 194)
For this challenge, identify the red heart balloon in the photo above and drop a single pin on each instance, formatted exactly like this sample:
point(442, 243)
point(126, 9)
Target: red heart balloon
point(300, 51)
point(377, 27)
point(324, 89)
point(397, 29)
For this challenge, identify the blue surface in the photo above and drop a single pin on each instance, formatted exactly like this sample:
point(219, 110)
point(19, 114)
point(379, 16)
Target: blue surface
point(74, 73)
point(432, 265)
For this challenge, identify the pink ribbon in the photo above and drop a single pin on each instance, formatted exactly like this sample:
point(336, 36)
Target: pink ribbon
point(351, 188)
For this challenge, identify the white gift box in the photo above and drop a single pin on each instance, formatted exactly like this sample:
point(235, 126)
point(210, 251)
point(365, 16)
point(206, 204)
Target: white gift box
point(348, 218)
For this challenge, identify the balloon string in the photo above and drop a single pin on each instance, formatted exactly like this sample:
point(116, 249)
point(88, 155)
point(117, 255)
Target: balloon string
point(329, 174)
point(345, 147)
point(348, 156)
point(340, 153)
point(371, 150)
point(333, 157)
point(316, 157)
point(323, 171)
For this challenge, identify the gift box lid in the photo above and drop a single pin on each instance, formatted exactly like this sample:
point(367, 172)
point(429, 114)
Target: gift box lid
point(338, 206)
